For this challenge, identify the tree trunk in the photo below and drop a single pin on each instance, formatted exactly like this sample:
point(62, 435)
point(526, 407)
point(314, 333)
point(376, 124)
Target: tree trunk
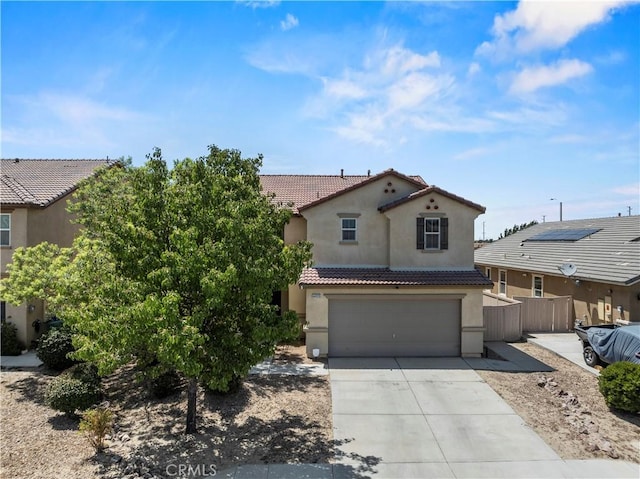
point(192, 392)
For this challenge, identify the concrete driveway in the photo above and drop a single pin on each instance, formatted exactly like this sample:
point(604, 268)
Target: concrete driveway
point(435, 417)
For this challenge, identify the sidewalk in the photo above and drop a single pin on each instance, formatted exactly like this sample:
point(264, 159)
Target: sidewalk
point(567, 345)
point(25, 360)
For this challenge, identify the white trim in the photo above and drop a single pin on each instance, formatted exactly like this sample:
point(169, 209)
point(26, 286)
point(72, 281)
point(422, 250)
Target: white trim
point(8, 215)
point(500, 282)
point(344, 230)
point(533, 286)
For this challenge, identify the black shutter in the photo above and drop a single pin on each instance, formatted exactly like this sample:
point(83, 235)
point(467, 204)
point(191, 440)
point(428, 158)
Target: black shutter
point(444, 233)
point(419, 233)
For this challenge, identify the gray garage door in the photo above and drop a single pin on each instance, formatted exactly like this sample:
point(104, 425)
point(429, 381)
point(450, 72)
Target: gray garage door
point(394, 327)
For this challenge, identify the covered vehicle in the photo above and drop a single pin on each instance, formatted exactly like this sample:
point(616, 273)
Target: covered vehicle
point(610, 343)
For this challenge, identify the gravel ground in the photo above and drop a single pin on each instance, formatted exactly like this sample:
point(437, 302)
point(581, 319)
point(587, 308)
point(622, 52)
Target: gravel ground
point(567, 410)
point(272, 419)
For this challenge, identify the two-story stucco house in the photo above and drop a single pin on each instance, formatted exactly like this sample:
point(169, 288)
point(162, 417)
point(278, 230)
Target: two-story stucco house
point(33, 196)
point(393, 271)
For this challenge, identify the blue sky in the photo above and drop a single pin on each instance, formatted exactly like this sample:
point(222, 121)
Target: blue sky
point(507, 104)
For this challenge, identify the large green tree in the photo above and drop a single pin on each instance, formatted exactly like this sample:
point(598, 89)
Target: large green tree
point(173, 268)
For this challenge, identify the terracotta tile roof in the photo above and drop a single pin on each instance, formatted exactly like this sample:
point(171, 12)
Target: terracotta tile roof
point(387, 277)
point(432, 189)
point(302, 190)
point(41, 182)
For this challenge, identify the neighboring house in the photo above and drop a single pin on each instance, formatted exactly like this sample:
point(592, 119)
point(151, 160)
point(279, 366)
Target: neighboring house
point(393, 271)
point(596, 261)
point(33, 196)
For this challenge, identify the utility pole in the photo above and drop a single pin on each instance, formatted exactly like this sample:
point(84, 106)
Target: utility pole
point(556, 199)
point(629, 209)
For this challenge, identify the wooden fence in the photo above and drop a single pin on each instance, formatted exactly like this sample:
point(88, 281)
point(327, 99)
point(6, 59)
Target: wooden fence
point(501, 316)
point(546, 315)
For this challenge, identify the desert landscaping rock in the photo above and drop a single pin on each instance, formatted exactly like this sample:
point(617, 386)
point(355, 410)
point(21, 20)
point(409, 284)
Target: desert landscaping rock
point(566, 409)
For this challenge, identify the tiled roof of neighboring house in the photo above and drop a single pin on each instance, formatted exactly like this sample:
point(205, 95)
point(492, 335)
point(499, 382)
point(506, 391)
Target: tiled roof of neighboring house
point(41, 182)
point(302, 190)
point(428, 190)
point(609, 255)
point(387, 277)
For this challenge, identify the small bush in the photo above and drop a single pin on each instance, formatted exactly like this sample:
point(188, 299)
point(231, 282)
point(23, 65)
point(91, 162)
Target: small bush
point(85, 372)
point(54, 348)
point(95, 425)
point(73, 390)
point(11, 345)
point(619, 383)
point(233, 386)
point(165, 384)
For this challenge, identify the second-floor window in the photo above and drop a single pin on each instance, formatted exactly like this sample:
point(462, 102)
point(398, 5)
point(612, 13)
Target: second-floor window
point(349, 229)
point(5, 229)
point(432, 233)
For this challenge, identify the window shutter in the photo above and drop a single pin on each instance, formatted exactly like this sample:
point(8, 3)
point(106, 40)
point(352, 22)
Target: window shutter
point(419, 233)
point(444, 233)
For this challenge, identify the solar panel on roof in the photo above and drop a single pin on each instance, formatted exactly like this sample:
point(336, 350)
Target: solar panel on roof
point(564, 234)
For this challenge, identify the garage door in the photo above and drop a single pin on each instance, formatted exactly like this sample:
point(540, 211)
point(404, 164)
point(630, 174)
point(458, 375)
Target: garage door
point(394, 327)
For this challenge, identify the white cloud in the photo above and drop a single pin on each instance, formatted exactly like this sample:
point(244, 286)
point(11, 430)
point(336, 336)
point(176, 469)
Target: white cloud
point(628, 190)
point(472, 153)
point(533, 78)
point(288, 23)
point(412, 90)
point(473, 69)
point(398, 60)
point(571, 139)
point(63, 119)
point(343, 88)
point(536, 25)
point(260, 3)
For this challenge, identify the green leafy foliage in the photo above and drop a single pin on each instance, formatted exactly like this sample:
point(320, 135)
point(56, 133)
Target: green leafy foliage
point(35, 273)
point(54, 348)
point(178, 265)
point(95, 425)
point(75, 389)
point(11, 345)
point(619, 383)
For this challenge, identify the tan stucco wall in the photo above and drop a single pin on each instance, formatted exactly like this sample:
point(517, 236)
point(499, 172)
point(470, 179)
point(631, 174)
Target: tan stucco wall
point(585, 295)
point(403, 252)
point(29, 227)
point(293, 299)
point(317, 330)
point(372, 248)
point(51, 224)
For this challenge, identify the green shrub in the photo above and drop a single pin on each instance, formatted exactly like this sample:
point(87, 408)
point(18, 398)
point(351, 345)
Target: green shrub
point(11, 345)
point(54, 348)
point(76, 389)
point(233, 386)
point(96, 424)
point(619, 383)
point(85, 372)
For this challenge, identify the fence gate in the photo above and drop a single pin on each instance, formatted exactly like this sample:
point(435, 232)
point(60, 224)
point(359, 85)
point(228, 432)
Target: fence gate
point(546, 315)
